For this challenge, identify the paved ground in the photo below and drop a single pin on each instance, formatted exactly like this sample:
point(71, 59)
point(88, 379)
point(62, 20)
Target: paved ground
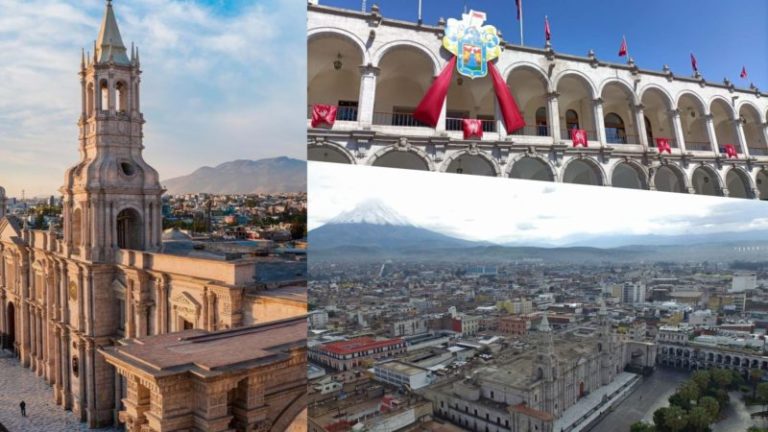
point(18, 383)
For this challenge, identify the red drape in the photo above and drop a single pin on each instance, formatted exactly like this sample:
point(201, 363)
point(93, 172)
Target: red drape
point(473, 128)
point(730, 150)
point(513, 119)
point(579, 137)
point(323, 115)
point(428, 111)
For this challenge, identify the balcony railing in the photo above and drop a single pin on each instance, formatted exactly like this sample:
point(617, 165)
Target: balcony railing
point(456, 124)
point(618, 136)
point(758, 151)
point(396, 119)
point(342, 113)
point(698, 146)
point(565, 134)
point(532, 131)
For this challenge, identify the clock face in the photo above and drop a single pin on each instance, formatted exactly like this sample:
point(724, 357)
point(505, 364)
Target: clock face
point(72, 290)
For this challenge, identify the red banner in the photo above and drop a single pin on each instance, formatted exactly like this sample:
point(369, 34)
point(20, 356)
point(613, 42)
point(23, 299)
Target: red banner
point(694, 63)
point(473, 128)
point(730, 151)
point(579, 137)
point(428, 111)
point(513, 119)
point(743, 73)
point(623, 47)
point(663, 145)
point(323, 115)
point(547, 29)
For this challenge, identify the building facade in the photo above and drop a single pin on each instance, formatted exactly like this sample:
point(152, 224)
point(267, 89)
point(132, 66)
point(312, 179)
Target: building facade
point(106, 278)
point(353, 353)
point(376, 70)
point(675, 349)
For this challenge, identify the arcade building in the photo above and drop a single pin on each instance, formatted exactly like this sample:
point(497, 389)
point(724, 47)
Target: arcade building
point(125, 330)
point(375, 72)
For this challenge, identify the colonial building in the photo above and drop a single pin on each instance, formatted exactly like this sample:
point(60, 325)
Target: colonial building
point(354, 353)
point(531, 390)
point(375, 71)
point(108, 279)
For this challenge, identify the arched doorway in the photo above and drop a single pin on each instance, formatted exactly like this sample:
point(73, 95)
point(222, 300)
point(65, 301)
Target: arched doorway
point(738, 184)
point(705, 182)
point(531, 168)
point(620, 126)
point(10, 336)
point(694, 123)
point(333, 73)
point(615, 132)
point(576, 95)
point(327, 154)
point(582, 172)
point(471, 164)
point(405, 75)
point(628, 177)
point(129, 230)
point(658, 120)
point(401, 159)
point(668, 179)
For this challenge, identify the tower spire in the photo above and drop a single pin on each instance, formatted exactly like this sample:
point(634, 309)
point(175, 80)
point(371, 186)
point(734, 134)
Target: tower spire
point(109, 44)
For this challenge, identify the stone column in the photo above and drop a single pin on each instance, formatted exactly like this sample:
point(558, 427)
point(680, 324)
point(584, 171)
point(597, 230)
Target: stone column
point(743, 144)
point(709, 118)
point(367, 99)
point(553, 106)
point(3, 324)
point(599, 121)
point(677, 126)
point(57, 366)
point(639, 111)
point(500, 126)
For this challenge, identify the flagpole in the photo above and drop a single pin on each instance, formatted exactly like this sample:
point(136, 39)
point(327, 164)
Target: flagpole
point(521, 23)
point(420, 20)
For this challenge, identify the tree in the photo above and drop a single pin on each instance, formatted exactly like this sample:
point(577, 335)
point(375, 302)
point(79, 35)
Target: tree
point(755, 376)
point(762, 393)
point(711, 406)
point(659, 417)
point(699, 419)
point(702, 378)
point(675, 419)
point(641, 427)
point(689, 392)
point(722, 377)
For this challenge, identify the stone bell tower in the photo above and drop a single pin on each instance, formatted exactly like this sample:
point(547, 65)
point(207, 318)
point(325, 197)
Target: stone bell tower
point(112, 198)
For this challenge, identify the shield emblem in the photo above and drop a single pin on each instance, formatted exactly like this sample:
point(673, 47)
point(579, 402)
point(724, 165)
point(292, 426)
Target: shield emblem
point(472, 57)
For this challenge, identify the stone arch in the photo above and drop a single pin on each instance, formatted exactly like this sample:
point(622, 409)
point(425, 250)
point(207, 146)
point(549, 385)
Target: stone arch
point(294, 410)
point(579, 75)
point(584, 171)
point(103, 97)
point(739, 183)
point(10, 327)
point(327, 84)
point(577, 93)
point(723, 117)
point(130, 229)
point(330, 152)
point(706, 181)
point(122, 97)
point(402, 157)
point(753, 127)
point(530, 87)
point(406, 70)
point(628, 88)
point(469, 162)
point(393, 45)
point(531, 167)
point(761, 180)
point(629, 175)
point(619, 99)
point(670, 178)
point(658, 103)
point(693, 112)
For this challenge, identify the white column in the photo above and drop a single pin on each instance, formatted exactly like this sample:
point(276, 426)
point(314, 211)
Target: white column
point(744, 146)
point(553, 105)
point(640, 126)
point(500, 126)
point(710, 119)
point(677, 125)
point(367, 98)
point(599, 121)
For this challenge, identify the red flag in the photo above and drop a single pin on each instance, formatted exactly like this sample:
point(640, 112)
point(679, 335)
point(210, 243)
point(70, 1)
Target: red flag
point(623, 47)
point(517, 3)
point(743, 72)
point(428, 111)
point(579, 137)
point(547, 30)
point(730, 151)
point(323, 115)
point(473, 128)
point(663, 145)
point(513, 119)
point(694, 63)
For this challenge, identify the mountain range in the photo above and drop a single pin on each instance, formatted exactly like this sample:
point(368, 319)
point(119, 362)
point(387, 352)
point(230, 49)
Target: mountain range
point(275, 175)
point(373, 231)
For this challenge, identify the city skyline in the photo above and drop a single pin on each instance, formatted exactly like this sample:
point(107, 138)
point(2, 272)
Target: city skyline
point(535, 213)
point(200, 102)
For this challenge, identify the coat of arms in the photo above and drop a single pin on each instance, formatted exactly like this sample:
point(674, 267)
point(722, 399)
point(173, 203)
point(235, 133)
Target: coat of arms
point(473, 44)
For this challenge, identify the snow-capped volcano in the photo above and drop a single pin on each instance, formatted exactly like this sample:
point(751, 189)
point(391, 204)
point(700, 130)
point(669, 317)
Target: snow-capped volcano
point(372, 212)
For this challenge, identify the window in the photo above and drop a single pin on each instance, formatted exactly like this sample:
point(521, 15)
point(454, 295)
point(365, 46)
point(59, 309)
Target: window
point(571, 119)
point(347, 111)
point(614, 129)
point(104, 89)
point(649, 132)
point(541, 122)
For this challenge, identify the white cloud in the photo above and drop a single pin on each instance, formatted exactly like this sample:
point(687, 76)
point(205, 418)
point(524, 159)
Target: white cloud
point(217, 85)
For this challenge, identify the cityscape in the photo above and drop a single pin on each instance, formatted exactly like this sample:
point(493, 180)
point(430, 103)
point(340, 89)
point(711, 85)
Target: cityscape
point(433, 334)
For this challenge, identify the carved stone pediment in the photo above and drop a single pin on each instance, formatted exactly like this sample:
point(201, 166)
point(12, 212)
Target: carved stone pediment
point(186, 305)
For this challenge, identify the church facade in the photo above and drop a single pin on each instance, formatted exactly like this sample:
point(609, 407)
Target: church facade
point(70, 298)
point(375, 71)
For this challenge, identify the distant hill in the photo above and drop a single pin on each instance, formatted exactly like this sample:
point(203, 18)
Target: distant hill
point(276, 175)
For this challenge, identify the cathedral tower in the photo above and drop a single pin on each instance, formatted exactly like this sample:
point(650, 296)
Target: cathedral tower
point(546, 365)
point(112, 198)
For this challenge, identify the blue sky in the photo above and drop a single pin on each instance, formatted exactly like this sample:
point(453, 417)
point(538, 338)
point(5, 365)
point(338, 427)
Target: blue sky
point(223, 80)
point(724, 35)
